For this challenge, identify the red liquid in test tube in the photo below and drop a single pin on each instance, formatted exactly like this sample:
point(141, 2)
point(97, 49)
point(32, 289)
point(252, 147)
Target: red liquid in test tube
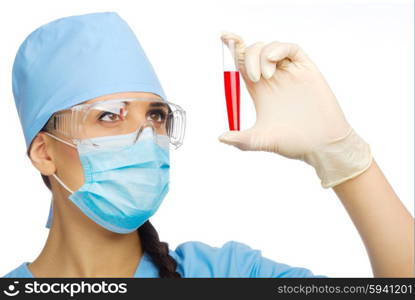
point(232, 94)
point(232, 86)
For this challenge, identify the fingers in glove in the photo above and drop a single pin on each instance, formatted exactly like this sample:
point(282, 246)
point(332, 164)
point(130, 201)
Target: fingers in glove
point(277, 52)
point(239, 43)
point(239, 139)
point(252, 61)
point(239, 50)
point(268, 66)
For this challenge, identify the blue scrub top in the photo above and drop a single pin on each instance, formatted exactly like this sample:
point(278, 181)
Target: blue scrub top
point(197, 259)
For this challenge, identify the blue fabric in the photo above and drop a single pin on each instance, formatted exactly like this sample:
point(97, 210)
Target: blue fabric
point(197, 259)
point(123, 186)
point(74, 59)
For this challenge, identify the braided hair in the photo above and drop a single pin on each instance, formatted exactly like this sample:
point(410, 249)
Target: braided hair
point(158, 251)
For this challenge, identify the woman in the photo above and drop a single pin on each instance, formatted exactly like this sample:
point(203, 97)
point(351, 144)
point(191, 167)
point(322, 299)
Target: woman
point(97, 127)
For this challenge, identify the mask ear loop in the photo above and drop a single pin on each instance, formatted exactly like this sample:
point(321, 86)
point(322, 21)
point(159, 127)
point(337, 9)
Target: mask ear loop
point(62, 184)
point(54, 175)
point(50, 217)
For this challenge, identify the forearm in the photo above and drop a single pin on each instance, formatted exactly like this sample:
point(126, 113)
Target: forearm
point(385, 225)
point(298, 116)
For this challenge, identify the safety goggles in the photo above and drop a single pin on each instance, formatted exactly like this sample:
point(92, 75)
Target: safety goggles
point(91, 122)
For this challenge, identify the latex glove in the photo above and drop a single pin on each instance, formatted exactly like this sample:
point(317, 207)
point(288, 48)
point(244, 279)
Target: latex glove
point(297, 114)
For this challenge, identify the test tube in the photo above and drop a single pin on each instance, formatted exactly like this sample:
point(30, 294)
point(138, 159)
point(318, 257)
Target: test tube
point(232, 87)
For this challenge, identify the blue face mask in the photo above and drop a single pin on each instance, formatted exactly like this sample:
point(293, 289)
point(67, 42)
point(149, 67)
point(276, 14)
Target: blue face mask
point(124, 186)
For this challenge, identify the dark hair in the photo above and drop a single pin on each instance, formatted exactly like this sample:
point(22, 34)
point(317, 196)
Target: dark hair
point(150, 242)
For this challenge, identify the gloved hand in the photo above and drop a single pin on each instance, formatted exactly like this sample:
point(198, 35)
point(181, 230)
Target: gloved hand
point(297, 114)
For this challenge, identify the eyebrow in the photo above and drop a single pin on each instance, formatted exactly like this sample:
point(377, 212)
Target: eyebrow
point(158, 104)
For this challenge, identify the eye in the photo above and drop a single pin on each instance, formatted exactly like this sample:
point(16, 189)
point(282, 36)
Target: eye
point(157, 115)
point(109, 117)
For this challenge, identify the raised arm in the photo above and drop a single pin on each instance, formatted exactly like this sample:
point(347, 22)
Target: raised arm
point(299, 117)
point(385, 225)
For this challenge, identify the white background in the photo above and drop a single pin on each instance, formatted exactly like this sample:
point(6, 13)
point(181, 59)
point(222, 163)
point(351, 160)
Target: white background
point(218, 193)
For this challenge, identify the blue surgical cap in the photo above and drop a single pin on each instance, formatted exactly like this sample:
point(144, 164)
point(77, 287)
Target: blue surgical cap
point(74, 59)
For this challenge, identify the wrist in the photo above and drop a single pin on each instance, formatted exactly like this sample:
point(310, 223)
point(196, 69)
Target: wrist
point(341, 159)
